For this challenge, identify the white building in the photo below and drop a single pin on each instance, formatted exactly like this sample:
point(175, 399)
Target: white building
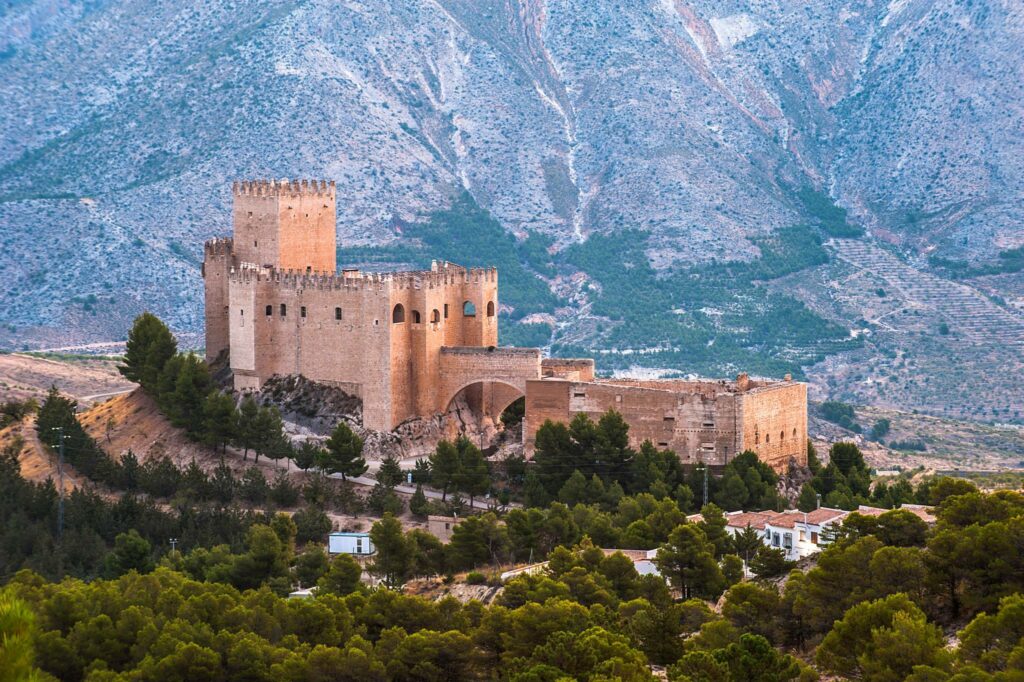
point(357, 544)
point(800, 534)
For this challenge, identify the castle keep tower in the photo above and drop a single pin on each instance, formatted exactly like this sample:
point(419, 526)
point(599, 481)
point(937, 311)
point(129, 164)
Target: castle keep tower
point(286, 225)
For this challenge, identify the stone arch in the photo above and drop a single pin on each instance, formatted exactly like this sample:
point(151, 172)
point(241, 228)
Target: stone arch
point(490, 309)
point(486, 396)
point(416, 317)
point(435, 316)
point(468, 309)
point(398, 314)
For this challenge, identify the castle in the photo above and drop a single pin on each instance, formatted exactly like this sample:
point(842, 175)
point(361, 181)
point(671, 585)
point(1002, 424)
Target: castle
point(408, 343)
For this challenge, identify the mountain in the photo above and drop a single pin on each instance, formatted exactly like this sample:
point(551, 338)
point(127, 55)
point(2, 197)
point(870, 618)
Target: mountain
point(828, 188)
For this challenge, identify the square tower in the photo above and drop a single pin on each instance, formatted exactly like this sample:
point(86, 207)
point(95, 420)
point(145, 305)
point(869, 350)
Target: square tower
point(287, 225)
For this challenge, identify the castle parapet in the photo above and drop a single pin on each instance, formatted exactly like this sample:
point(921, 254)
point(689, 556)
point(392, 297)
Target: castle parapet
point(276, 188)
point(219, 246)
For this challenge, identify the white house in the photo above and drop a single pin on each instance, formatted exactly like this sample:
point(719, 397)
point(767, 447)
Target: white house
point(800, 534)
point(357, 544)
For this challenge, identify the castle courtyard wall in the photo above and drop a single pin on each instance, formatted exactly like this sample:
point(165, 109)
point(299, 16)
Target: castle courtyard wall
point(709, 422)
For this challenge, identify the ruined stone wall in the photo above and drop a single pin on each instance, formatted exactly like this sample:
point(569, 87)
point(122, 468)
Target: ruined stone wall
point(774, 423)
point(698, 426)
point(573, 369)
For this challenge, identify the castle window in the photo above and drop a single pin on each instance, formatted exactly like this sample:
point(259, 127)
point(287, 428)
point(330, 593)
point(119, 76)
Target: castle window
point(446, 311)
point(435, 316)
point(767, 438)
point(270, 310)
point(490, 309)
point(284, 310)
point(302, 311)
point(250, 214)
point(398, 314)
point(337, 313)
point(468, 309)
point(782, 435)
point(255, 244)
point(415, 317)
point(794, 433)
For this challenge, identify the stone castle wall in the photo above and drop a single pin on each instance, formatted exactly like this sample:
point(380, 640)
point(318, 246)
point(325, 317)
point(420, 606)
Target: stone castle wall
point(774, 423)
point(709, 422)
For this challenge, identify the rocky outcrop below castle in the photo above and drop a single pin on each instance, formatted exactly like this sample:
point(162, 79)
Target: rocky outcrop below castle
point(311, 410)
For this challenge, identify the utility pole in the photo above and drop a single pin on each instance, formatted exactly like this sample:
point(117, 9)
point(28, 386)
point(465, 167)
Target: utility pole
point(174, 544)
point(817, 496)
point(60, 482)
point(705, 485)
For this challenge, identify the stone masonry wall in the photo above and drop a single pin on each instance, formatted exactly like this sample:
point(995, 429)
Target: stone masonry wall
point(708, 422)
point(774, 423)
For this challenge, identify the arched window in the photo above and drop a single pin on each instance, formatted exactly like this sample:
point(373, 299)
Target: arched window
point(415, 317)
point(782, 436)
point(337, 313)
point(490, 309)
point(270, 310)
point(767, 438)
point(435, 316)
point(794, 433)
point(398, 314)
point(468, 309)
point(284, 310)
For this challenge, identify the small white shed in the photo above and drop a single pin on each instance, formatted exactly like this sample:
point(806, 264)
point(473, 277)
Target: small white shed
point(358, 544)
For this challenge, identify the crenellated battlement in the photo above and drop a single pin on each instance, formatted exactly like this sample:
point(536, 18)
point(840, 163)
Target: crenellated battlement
point(448, 275)
point(277, 188)
point(219, 246)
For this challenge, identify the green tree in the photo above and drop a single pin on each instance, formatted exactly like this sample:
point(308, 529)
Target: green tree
point(393, 560)
point(150, 345)
point(307, 455)
point(131, 553)
point(344, 452)
point(311, 565)
point(473, 476)
point(268, 431)
point(184, 384)
point(342, 577)
point(882, 640)
point(444, 467)
point(770, 562)
point(418, 504)
point(808, 500)
point(995, 642)
point(747, 542)
point(755, 608)
point(688, 561)
point(246, 418)
point(713, 523)
point(219, 420)
point(17, 630)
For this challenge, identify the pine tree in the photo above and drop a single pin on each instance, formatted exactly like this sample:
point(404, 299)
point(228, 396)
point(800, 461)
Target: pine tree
point(474, 476)
point(808, 500)
point(345, 450)
point(418, 504)
point(444, 467)
point(390, 472)
point(713, 523)
point(393, 559)
point(245, 425)
point(268, 431)
point(150, 345)
point(219, 420)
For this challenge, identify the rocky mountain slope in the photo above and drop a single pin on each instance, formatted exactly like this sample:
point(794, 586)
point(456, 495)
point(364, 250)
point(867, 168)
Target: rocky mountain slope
point(690, 129)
